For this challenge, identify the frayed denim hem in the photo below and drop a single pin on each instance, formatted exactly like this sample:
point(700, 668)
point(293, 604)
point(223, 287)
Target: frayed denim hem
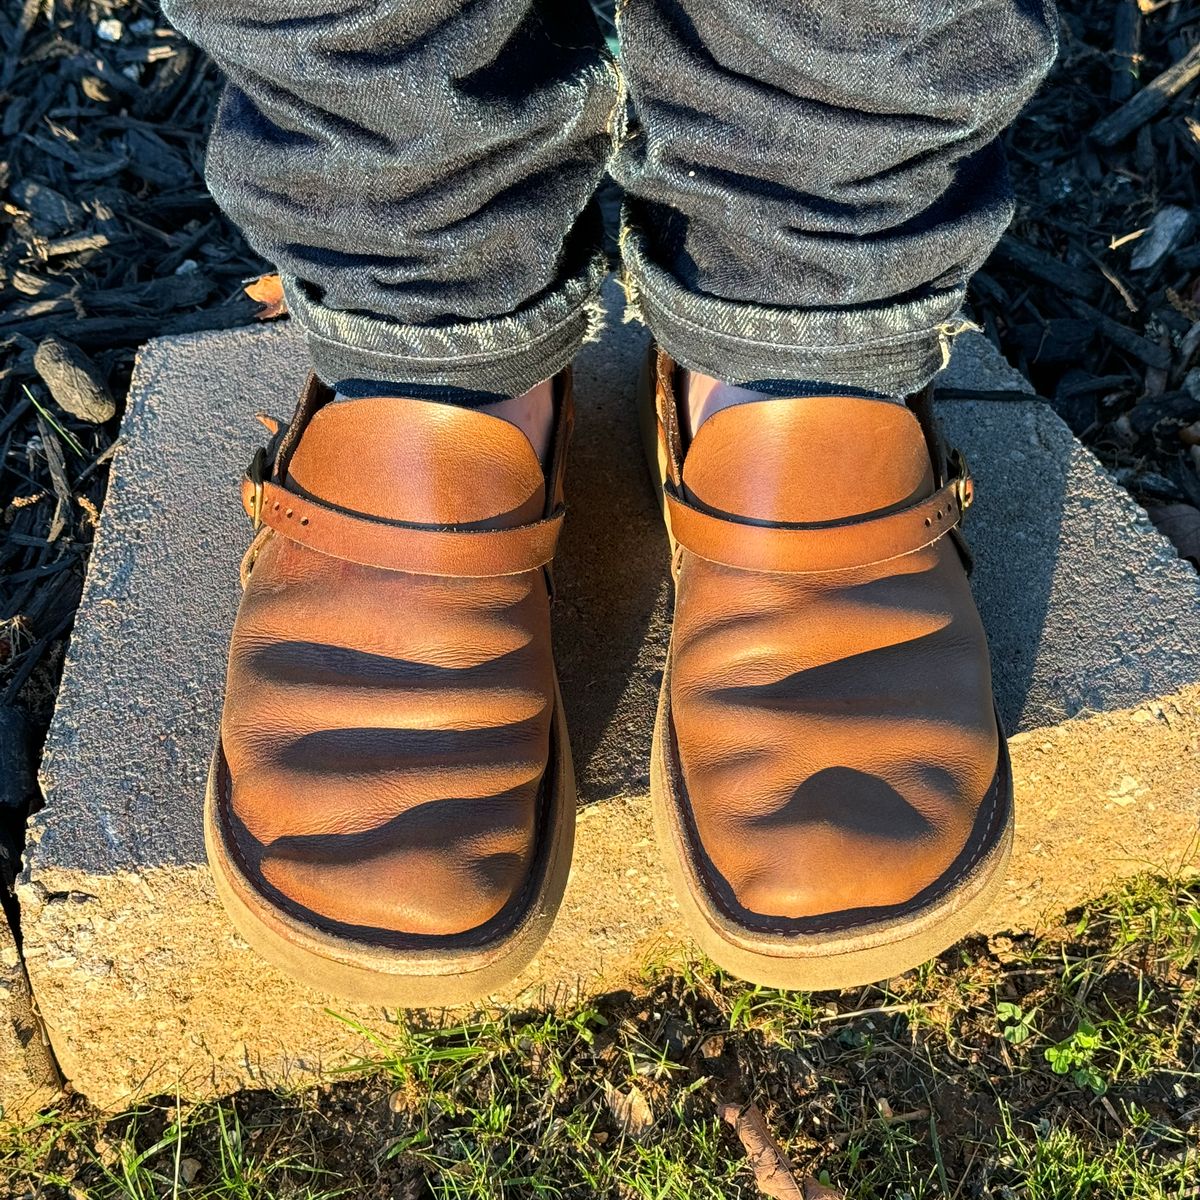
point(892, 348)
point(504, 355)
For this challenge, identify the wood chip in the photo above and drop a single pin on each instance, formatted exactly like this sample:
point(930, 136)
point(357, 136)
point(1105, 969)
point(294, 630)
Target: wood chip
point(1132, 115)
point(1180, 524)
point(267, 290)
point(773, 1173)
point(1169, 226)
point(74, 380)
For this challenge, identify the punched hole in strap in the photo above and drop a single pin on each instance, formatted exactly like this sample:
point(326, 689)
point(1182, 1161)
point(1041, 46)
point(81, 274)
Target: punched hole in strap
point(421, 550)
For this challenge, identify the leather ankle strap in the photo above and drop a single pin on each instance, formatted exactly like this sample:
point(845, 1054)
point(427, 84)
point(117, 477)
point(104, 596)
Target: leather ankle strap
point(391, 546)
point(828, 546)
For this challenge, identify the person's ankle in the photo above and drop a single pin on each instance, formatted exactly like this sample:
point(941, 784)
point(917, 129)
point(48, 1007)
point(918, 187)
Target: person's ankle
point(706, 395)
point(532, 412)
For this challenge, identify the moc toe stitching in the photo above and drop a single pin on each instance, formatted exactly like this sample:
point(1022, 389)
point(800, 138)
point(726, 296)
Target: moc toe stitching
point(859, 920)
point(504, 921)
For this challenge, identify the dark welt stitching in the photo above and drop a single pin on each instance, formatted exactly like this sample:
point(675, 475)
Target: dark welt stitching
point(763, 925)
point(523, 907)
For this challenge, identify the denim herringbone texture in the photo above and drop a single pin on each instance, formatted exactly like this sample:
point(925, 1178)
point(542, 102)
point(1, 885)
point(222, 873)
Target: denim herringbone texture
point(810, 182)
point(421, 173)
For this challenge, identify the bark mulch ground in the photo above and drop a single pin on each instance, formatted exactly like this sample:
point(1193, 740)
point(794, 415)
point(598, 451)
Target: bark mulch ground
point(1095, 292)
point(107, 238)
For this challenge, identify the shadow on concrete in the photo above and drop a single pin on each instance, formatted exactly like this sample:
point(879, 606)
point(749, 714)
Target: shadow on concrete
point(1087, 608)
point(610, 619)
point(1013, 530)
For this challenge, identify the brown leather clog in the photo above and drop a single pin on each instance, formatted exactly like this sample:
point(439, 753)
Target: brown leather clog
point(830, 783)
point(391, 804)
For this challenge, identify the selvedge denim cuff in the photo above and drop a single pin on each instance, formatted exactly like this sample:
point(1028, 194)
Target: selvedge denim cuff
point(893, 348)
point(506, 355)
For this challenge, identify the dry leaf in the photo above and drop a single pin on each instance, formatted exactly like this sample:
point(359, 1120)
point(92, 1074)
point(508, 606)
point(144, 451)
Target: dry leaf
point(1181, 524)
point(773, 1173)
point(631, 1110)
point(268, 291)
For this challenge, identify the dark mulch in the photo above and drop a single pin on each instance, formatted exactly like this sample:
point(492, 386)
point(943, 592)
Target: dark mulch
point(108, 238)
point(1095, 292)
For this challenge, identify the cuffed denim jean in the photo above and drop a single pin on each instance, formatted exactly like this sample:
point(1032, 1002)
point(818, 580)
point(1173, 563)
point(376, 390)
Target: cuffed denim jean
point(809, 183)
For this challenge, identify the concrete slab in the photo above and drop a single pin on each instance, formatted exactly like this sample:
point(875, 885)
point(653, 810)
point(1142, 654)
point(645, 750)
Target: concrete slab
point(29, 1078)
point(1095, 629)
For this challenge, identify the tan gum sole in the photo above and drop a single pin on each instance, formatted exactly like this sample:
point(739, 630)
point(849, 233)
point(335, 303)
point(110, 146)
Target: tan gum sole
point(811, 962)
point(402, 978)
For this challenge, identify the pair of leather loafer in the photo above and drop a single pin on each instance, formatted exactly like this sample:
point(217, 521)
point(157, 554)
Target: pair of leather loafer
point(391, 805)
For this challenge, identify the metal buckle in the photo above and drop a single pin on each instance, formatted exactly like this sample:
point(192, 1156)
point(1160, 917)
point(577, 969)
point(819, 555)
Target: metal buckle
point(257, 472)
point(964, 489)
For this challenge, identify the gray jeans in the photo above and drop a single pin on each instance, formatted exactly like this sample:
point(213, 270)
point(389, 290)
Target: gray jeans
point(809, 183)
